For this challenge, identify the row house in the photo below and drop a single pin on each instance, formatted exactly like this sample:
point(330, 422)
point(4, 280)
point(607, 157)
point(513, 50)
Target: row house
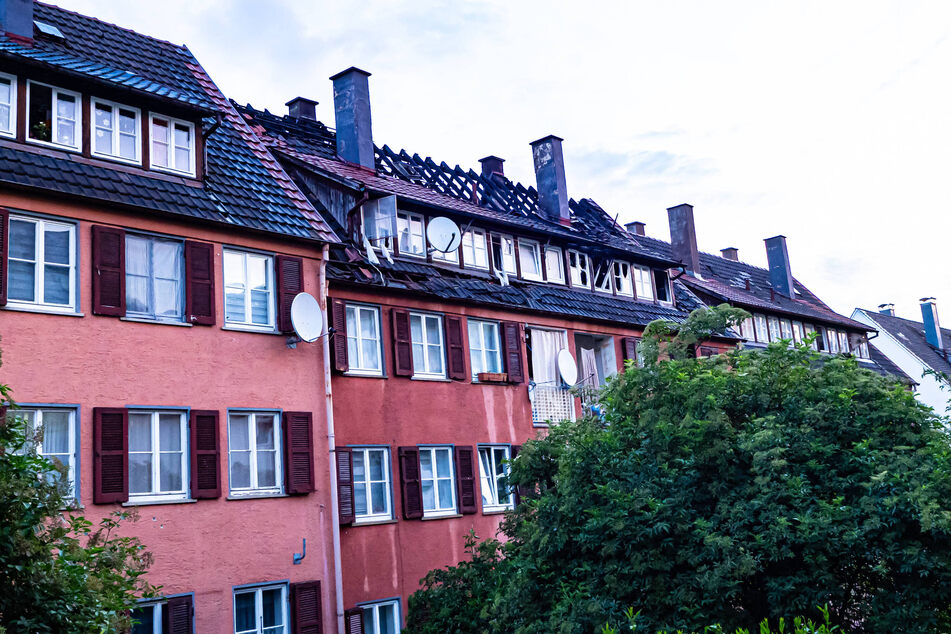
point(149, 250)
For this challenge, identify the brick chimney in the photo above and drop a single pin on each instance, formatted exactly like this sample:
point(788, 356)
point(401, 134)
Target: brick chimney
point(730, 253)
point(550, 177)
point(636, 228)
point(780, 275)
point(302, 108)
point(929, 316)
point(16, 20)
point(492, 165)
point(887, 309)
point(683, 237)
point(352, 114)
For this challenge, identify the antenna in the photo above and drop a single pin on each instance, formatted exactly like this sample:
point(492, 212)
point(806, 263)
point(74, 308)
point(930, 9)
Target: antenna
point(306, 317)
point(443, 234)
point(567, 367)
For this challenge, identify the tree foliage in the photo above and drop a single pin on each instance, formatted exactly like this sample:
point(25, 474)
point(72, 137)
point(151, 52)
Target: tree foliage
point(733, 489)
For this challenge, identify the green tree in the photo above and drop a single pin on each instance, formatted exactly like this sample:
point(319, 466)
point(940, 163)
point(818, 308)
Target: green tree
point(749, 486)
point(58, 572)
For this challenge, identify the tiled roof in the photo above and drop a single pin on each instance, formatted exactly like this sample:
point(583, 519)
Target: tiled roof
point(911, 334)
point(244, 186)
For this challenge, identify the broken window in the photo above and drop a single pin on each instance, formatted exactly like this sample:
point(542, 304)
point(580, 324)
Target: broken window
point(578, 266)
point(662, 286)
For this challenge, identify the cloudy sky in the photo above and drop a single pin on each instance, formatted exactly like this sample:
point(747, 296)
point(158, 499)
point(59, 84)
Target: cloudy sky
point(827, 122)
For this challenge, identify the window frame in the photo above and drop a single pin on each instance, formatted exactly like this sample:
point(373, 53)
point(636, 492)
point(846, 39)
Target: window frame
point(376, 209)
point(608, 286)
point(586, 271)
point(668, 286)
point(626, 288)
point(761, 324)
point(354, 368)
point(492, 479)
point(152, 238)
point(536, 255)
point(560, 278)
point(409, 217)
point(258, 590)
point(253, 490)
point(480, 348)
point(501, 266)
point(374, 606)
point(156, 452)
point(73, 434)
point(439, 511)
point(271, 290)
point(775, 333)
point(427, 373)
point(116, 107)
point(77, 122)
point(12, 132)
point(370, 517)
point(158, 607)
point(640, 273)
point(192, 151)
point(473, 233)
point(39, 266)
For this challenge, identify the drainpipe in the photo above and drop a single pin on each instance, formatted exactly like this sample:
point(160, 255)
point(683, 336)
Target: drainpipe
point(328, 395)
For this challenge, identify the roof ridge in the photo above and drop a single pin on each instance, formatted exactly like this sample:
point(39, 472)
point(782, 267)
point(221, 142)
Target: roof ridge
point(181, 47)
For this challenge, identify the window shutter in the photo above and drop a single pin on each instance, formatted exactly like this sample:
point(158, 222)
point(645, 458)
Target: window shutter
point(465, 480)
point(630, 348)
point(4, 242)
point(305, 607)
point(512, 351)
point(110, 439)
point(177, 616)
point(108, 271)
point(298, 452)
point(290, 282)
point(347, 512)
point(456, 347)
point(338, 316)
point(402, 343)
point(518, 491)
point(410, 486)
point(200, 283)
point(353, 618)
point(205, 459)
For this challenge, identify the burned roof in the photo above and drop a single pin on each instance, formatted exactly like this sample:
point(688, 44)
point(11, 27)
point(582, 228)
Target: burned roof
point(911, 334)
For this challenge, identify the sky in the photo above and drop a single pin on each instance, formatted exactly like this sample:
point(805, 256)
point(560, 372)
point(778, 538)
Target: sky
point(827, 122)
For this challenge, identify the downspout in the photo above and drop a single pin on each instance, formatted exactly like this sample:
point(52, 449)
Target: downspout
point(331, 442)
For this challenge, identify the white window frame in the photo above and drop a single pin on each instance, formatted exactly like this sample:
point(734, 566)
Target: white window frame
point(535, 254)
point(475, 241)
point(270, 289)
point(670, 288)
point(489, 482)
point(358, 365)
point(77, 122)
point(621, 273)
point(114, 155)
point(810, 329)
point(427, 372)
point(580, 271)
point(152, 316)
point(797, 331)
point(505, 262)
point(373, 620)
point(157, 609)
point(259, 608)
point(478, 347)
point(747, 329)
point(39, 265)
point(785, 327)
point(607, 286)
point(762, 327)
point(369, 516)
point(643, 280)
point(844, 345)
point(36, 420)
point(559, 274)
point(155, 495)
point(12, 131)
point(775, 332)
point(440, 510)
point(380, 219)
point(170, 141)
point(407, 220)
point(253, 489)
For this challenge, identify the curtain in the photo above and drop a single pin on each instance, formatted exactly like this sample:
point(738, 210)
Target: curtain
point(545, 347)
point(589, 368)
point(489, 494)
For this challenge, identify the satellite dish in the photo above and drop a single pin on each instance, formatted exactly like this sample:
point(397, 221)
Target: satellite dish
point(567, 367)
point(443, 234)
point(306, 317)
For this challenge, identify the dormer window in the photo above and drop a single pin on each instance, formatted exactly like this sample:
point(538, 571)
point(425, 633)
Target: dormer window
point(173, 145)
point(503, 253)
point(409, 231)
point(379, 217)
point(622, 278)
point(642, 282)
point(554, 265)
point(578, 269)
point(662, 287)
point(115, 131)
point(529, 255)
point(474, 250)
point(8, 109)
point(53, 116)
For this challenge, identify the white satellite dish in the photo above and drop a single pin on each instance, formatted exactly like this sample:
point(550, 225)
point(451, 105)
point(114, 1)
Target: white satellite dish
point(443, 234)
point(567, 367)
point(306, 317)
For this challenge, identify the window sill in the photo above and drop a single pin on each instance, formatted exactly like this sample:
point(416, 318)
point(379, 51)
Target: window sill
point(497, 510)
point(373, 522)
point(255, 496)
point(440, 517)
point(159, 322)
point(260, 331)
point(364, 375)
point(437, 379)
point(43, 310)
point(158, 502)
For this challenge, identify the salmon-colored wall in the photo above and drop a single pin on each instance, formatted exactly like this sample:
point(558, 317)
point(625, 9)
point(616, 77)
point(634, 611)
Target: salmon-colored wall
point(209, 546)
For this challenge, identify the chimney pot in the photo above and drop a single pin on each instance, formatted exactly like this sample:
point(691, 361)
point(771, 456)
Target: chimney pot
point(492, 165)
point(730, 253)
point(352, 115)
point(683, 237)
point(16, 20)
point(636, 228)
point(550, 176)
point(302, 108)
point(929, 315)
point(887, 309)
point(780, 275)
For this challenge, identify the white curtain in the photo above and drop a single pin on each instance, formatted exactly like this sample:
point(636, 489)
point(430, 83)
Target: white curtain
point(589, 368)
point(545, 347)
point(489, 494)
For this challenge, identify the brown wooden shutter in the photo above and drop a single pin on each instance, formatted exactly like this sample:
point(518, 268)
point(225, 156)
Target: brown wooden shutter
point(108, 271)
point(455, 346)
point(465, 480)
point(298, 452)
point(410, 486)
point(353, 620)
point(290, 282)
point(346, 507)
point(177, 616)
point(630, 348)
point(205, 454)
point(338, 316)
point(402, 343)
point(200, 283)
point(517, 492)
point(512, 351)
point(110, 458)
point(305, 608)
point(4, 250)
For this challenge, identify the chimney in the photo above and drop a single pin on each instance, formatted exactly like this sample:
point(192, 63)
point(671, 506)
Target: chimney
point(352, 114)
point(887, 309)
point(492, 165)
point(636, 228)
point(302, 108)
point(683, 237)
point(730, 253)
point(780, 275)
point(550, 176)
point(16, 20)
point(929, 315)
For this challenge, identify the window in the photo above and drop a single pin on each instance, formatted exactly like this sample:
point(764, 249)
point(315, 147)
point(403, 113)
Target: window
point(862, 350)
point(428, 356)
point(157, 455)
point(371, 484)
point(550, 401)
point(578, 267)
point(409, 229)
point(810, 329)
point(254, 453)
point(642, 282)
point(797, 331)
point(53, 116)
point(153, 268)
point(173, 145)
point(494, 468)
point(844, 346)
point(831, 341)
point(554, 265)
point(662, 286)
point(8, 105)
point(602, 277)
point(529, 255)
point(747, 330)
point(56, 438)
point(484, 347)
point(379, 218)
point(474, 253)
point(261, 610)
point(439, 490)
point(774, 331)
point(762, 331)
point(451, 257)
point(115, 131)
point(363, 340)
point(249, 289)
point(503, 253)
point(147, 619)
point(42, 263)
point(382, 617)
point(622, 278)
point(785, 327)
